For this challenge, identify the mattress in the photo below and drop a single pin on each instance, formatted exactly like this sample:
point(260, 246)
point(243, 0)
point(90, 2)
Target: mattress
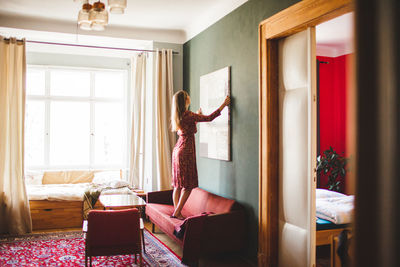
point(337, 210)
point(66, 192)
point(334, 207)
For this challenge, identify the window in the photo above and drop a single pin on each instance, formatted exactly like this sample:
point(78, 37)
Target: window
point(75, 118)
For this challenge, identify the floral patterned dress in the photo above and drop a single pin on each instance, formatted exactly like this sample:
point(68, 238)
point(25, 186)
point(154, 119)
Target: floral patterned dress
point(184, 168)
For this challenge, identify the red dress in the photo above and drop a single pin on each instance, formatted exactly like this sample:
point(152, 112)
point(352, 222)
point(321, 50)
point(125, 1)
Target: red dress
point(184, 169)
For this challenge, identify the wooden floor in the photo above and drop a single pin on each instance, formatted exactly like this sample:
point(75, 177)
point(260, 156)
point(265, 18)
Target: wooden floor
point(234, 260)
point(165, 239)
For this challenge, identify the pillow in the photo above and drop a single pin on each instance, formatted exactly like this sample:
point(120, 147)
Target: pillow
point(324, 193)
point(33, 177)
point(117, 184)
point(68, 177)
point(104, 177)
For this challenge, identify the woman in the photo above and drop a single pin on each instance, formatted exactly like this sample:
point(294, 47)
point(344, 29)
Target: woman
point(184, 170)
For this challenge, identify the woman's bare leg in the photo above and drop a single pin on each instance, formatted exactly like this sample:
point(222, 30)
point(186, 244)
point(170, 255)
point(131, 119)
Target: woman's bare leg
point(175, 196)
point(182, 200)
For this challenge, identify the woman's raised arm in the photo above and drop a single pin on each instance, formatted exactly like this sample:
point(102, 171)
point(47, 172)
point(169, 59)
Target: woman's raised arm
point(201, 118)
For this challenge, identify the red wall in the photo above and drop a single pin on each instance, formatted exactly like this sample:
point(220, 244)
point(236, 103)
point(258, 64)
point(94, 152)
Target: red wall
point(333, 83)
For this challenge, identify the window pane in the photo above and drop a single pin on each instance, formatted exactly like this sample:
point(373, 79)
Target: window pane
point(35, 81)
point(109, 84)
point(34, 133)
point(69, 133)
point(70, 83)
point(109, 133)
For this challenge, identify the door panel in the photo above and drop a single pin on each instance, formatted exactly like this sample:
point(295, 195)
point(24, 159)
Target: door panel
point(296, 149)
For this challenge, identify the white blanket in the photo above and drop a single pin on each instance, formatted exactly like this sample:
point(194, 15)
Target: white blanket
point(338, 210)
point(66, 192)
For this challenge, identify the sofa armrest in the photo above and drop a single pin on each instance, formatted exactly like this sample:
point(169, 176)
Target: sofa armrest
point(160, 197)
point(215, 234)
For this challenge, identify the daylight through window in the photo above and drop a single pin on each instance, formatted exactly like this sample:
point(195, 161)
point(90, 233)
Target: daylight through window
point(75, 118)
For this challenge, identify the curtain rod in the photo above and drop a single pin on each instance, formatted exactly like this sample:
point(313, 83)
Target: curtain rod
point(102, 47)
point(93, 46)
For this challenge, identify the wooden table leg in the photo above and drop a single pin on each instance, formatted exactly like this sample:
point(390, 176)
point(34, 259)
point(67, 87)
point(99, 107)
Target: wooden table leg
point(142, 232)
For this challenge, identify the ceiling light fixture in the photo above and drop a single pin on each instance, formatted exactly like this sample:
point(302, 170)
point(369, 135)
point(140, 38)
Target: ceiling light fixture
point(117, 6)
point(83, 17)
point(98, 15)
point(95, 17)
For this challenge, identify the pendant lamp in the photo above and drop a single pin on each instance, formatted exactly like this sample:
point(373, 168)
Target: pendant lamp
point(117, 6)
point(83, 17)
point(98, 15)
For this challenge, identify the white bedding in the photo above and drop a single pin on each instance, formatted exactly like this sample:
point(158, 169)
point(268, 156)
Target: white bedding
point(338, 210)
point(66, 192)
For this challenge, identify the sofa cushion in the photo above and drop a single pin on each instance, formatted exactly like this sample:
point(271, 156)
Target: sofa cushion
point(67, 177)
point(160, 215)
point(201, 201)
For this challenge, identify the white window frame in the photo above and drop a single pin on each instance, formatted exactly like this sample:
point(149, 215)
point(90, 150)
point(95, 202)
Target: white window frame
point(47, 98)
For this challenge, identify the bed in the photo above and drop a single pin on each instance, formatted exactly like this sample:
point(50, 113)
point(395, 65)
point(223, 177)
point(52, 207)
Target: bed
point(56, 198)
point(334, 213)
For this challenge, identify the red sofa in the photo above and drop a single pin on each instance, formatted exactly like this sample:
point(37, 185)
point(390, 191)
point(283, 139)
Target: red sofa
point(221, 231)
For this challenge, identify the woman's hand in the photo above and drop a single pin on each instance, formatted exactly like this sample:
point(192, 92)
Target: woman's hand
point(199, 112)
point(227, 101)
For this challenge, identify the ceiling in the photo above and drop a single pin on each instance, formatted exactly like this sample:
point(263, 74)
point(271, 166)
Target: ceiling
point(166, 20)
point(336, 37)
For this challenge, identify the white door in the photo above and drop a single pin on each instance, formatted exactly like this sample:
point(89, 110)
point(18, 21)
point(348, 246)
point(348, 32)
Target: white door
point(297, 149)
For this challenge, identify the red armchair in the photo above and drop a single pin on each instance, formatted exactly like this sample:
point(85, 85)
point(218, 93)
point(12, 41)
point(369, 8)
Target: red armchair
point(113, 232)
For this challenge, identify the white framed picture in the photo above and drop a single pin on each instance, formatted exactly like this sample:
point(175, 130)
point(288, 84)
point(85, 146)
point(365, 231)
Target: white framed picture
point(215, 136)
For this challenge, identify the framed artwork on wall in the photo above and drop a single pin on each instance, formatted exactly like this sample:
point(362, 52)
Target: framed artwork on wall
point(215, 137)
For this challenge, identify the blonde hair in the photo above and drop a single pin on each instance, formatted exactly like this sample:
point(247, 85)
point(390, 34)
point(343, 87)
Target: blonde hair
point(178, 108)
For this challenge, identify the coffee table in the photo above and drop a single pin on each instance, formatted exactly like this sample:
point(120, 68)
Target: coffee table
point(125, 201)
point(122, 201)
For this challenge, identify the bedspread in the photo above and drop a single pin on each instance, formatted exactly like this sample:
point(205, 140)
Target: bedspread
point(338, 210)
point(66, 192)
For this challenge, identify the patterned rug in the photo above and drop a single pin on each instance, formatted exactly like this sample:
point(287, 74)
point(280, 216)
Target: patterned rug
point(67, 249)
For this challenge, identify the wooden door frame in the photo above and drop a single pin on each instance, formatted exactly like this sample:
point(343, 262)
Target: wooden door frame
point(294, 19)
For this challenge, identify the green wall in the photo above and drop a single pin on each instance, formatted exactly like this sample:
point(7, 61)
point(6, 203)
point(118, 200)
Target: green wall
point(233, 41)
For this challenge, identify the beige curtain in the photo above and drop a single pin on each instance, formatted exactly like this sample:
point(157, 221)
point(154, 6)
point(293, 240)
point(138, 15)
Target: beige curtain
point(151, 138)
point(138, 127)
point(14, 205)
point(165, 139)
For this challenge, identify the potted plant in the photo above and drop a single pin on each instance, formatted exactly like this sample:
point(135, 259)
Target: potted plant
point(333, 165)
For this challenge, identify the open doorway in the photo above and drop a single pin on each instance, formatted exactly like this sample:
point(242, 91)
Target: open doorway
point(283, 29)
point(335, 190)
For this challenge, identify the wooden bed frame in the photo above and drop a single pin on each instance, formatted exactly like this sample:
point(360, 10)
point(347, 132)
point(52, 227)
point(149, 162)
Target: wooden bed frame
point(57, 214)
point(324, 237)
point(48, 214)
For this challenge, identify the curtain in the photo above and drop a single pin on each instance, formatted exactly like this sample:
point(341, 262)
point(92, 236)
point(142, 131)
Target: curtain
point(165, 139)
point(138, 141)
point(151, 138)
point(14, 205)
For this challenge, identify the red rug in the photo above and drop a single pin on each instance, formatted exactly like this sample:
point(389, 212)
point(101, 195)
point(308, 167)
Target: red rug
point(67, 249)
